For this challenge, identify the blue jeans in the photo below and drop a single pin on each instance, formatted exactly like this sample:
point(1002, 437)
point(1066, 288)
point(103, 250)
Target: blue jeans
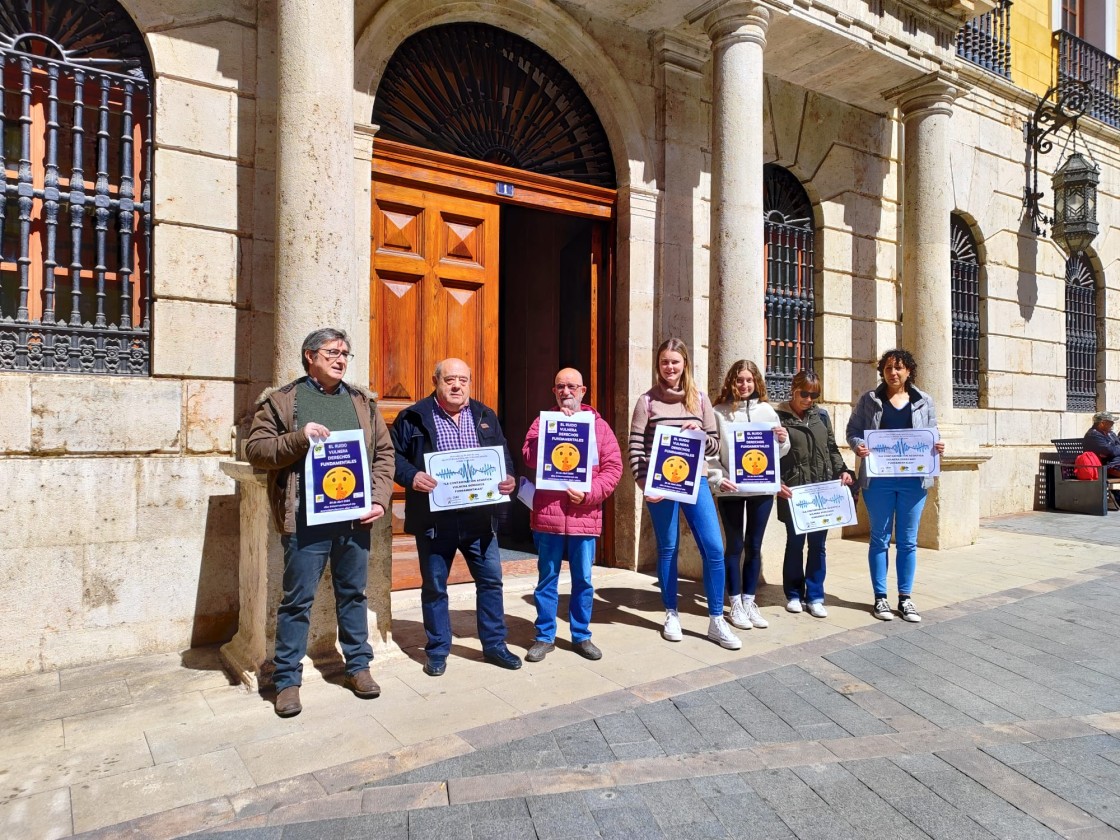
point(757, 512)
point(474, 536)
point(305, 556)
point(803, 577)
point(894, 504)
point(704, 522)
point(581, 557)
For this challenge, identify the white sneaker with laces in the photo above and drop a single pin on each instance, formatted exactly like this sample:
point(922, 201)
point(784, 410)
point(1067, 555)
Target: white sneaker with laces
point(753, 615)
point(908, 611)
point(817, 610)
point(739, 617)
point(882, 610)
point(672, 629)
point(793, 605)
point(721, 634)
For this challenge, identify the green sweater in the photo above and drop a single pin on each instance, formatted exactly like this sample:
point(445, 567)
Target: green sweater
point(335, 411)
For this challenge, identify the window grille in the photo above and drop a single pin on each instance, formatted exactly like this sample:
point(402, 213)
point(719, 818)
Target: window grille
point(1081, 335)
point(790, 302)
point(964, 264)
point(986, 40)
point(75, 255)
point(477, 91)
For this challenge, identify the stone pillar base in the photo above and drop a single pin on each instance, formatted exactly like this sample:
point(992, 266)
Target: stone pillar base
point(248, 655)
point(951, 518)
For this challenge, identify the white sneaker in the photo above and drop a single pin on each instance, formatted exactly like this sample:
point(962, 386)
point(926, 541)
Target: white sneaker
point(721, 634)
point(817, 610)
point(739, 616)
point(882, 610)
point(753, 615)
point(672, 629)
point(908, 611)
point(793, 605)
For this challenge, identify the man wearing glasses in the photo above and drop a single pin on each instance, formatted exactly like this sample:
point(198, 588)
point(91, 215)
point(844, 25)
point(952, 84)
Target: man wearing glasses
point(567, 523)
point(287, 419)
point(446, 420)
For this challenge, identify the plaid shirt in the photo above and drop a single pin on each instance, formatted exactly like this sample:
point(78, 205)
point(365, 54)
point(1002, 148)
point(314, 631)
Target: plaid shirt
point(451, 435)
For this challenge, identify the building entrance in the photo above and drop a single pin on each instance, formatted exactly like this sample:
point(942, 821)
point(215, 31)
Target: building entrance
point(506, 269)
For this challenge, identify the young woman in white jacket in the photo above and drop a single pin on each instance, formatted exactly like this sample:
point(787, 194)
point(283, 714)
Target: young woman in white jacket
point(744, 514)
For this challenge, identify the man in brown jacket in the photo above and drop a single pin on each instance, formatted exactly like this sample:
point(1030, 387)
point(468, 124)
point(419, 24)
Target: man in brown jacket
point(287, 419)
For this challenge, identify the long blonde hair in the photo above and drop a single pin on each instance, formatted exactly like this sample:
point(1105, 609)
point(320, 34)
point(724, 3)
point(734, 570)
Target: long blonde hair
point(691, 394)
point(730, 394)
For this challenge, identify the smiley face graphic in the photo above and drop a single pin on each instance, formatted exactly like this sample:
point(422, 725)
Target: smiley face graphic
point(339, 483)
point(675, 469)
point(755, 461)
point(565, 457)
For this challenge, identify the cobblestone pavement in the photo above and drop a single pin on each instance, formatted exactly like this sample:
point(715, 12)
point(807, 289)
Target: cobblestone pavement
point(1000, 718)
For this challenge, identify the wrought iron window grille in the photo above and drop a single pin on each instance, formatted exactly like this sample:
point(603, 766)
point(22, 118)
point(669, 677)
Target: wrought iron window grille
point(1081, 63)
point(790, 295)
point(75, 255)
point(1081, 334)
point(964, 264)
point(986, 40)
point(483, 93)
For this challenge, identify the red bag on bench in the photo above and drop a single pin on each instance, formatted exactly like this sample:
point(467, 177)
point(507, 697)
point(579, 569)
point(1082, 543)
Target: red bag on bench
point(1086, 467)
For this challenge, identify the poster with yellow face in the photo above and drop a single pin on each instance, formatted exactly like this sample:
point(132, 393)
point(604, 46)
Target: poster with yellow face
point(751, 457)
point(336, 475)
point(566, 450)
point(676, 465)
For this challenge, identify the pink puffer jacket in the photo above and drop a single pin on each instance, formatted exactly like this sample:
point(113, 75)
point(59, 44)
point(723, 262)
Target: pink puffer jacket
point(553, 512)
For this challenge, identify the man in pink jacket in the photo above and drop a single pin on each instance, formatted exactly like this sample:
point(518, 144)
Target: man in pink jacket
point(567, 522)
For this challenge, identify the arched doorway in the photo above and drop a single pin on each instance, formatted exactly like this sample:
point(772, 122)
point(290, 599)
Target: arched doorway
point(493, 207)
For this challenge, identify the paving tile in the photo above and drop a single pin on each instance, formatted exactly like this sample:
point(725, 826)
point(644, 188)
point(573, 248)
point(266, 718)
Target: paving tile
point(113, 799)
point(265, 798)
point(627, 822)
point(675, 803)
point(444, 713)
point(209, 814)
point(120, 669)
point(29, 685)
point(521, 829)
point(109, 725)
point(364, 771)
point(62, 704)
point(61, 767)
point(483, 788)
point(43, 816)
point(346, 739)
point(451, 823)
point(404, 797)
point(318, 809)
point(570, 780)
point(783, 790)
point(863, 809)
point(748, 815)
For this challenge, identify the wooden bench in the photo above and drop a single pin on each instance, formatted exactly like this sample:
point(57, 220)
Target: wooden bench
point(1067, 492)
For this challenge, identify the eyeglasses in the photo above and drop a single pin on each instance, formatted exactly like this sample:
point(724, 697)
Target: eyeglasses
point(334, 354)
point(809, 395)
point(567, 387)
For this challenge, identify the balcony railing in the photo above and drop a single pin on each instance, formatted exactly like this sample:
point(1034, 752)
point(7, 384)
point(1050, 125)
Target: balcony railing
point(986, 40)
point(1082, 62)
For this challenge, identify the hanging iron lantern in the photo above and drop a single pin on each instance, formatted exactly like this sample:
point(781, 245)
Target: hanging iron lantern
point(1075, 204)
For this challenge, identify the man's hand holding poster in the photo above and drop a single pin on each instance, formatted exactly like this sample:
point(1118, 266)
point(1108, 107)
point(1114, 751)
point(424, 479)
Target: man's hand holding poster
point(753, 455)
point(466, 477)
point(565, 451)
point(336, 478)
point(676, 465)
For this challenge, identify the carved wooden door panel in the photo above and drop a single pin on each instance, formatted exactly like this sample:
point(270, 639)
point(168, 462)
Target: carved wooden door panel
point(433, 295)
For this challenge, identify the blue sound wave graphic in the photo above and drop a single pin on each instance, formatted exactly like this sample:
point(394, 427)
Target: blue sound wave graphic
point(819, 501)
point(468, 471)
point(901, 447)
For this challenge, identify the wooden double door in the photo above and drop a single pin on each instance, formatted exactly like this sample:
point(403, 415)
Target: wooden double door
point(504, 269)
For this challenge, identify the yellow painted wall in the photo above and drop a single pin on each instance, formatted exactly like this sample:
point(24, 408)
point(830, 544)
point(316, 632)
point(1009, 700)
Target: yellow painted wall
point(1033, 55)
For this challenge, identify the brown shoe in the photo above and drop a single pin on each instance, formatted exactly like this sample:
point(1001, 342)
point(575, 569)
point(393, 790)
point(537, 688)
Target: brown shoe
point(362, 684)
point(287, 702)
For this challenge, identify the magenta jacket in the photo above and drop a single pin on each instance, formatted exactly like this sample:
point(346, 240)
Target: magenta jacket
point(553, 513)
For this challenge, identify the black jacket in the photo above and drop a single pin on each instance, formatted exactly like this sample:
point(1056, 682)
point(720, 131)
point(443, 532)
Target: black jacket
point(414, 434)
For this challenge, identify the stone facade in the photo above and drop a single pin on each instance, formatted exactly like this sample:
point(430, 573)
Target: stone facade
point(124, 535)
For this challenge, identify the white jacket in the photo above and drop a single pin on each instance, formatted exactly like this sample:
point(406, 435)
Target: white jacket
point(748, 411)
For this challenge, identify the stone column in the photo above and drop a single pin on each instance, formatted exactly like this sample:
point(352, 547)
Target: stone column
point(315, 282)
point(738, 292)
point(927, 321)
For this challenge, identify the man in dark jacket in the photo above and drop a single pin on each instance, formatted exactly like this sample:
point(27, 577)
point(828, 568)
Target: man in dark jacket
point(447, 420)
point(1104, 443)
point(279, 442)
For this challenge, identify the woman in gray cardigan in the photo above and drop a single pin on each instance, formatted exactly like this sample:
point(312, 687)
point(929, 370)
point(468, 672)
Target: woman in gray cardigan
point(893, 504)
